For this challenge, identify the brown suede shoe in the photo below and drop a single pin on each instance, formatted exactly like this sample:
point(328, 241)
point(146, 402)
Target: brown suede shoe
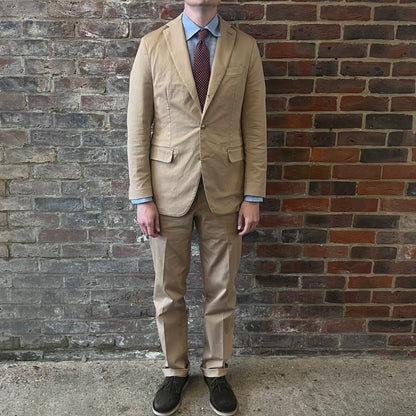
point(168, 397)
point(222, 399)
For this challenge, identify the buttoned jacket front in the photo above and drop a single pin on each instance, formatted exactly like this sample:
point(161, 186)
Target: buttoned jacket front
point(172, 142)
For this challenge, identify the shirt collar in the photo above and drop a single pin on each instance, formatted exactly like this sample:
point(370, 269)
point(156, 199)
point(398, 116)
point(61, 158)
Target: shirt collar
point(191, 28)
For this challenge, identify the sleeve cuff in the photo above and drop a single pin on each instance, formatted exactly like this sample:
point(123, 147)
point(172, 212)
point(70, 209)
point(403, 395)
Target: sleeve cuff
point(251, 198)
point(141, 200)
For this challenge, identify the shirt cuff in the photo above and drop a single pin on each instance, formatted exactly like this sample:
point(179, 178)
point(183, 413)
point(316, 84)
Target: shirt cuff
point(141, 200)
point(251, 198)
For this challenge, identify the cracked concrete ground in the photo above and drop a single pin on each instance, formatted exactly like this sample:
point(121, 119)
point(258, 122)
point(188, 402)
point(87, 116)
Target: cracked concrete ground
point(273, 386)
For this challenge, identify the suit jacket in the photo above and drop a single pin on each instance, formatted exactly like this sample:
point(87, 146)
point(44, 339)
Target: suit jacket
point(171, 142)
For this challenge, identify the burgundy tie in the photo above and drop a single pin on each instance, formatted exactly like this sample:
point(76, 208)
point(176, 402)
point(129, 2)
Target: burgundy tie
point(202, 68)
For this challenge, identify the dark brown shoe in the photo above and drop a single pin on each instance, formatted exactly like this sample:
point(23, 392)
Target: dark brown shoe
point(169, 395)
point(222, 399)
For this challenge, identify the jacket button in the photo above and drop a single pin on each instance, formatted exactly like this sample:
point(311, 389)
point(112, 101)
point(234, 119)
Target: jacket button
point(203, 127)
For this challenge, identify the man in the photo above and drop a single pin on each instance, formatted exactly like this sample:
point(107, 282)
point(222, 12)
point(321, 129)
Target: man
point(197, 155)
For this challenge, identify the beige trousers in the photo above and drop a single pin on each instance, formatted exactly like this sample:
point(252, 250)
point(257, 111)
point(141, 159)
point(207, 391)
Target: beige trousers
point(220, 252)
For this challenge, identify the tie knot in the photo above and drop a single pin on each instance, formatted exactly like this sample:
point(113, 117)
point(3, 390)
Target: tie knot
point(202, 34)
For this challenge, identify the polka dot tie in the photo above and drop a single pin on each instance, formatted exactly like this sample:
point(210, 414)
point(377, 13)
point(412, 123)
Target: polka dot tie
point(202, 68)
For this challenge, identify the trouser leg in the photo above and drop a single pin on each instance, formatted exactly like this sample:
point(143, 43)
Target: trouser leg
point(171, 253)
point(220, 251)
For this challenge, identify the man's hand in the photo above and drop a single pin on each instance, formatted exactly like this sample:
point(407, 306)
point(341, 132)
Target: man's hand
point(248, 217)
point(148, 219)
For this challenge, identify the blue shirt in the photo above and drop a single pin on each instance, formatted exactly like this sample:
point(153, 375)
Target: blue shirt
point(191, 35)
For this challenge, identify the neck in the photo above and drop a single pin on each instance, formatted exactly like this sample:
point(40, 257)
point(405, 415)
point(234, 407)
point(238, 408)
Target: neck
point(200, 15)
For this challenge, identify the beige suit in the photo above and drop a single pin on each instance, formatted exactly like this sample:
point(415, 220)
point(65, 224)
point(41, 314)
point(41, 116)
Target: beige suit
point(172, 144)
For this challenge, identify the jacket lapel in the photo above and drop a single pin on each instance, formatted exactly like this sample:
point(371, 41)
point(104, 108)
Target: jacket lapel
point(224, 49)
point(178, 49)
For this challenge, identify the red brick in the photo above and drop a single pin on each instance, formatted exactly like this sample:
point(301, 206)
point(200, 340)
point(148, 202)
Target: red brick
point(289, 86)
point(326, 251)
point(282, 220)
point(394, 297)
point(286, 12)
point(265, 31)
point(381, 188)
point(286, 188)
point(345, 155)
point(303, 103)
point(392, 86)
point(367, 311)
point(386, 50)
point(404, 311)
point(356, 32)
point(399, 172)
point(310, 139)
point(361, 138)
point(402, 340)
point(351, 236)
point(306, 172)
point(354, 267)
point(349, 86)
point(401, 69)
point(289, 121)
point(356, 172)
point(306, 204)
point(354, 204)
point(279, 50)
point(287, 155)
point(340, 50)
point(403, 104)
point(231, 12)
point(276, 104)
point(276, 250)
point(338, 121)
point(365, 69)
point(274, 68)
point(315, 31)
point(363, 103)
point(395, 13)
point(369, 282)
point(398, 205)
point(344, 325)
point(317, 68)
point(345, 13)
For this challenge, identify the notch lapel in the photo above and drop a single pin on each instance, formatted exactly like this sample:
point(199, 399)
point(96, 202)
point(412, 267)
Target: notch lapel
point(224, 49)
point(178, 49)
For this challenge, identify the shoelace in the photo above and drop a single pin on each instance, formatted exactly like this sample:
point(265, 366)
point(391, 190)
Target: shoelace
point(219, 384)
point(172, 384)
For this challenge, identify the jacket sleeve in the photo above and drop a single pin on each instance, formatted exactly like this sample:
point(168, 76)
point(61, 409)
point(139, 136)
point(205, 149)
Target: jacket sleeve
point(139, 123)
point(254, 128)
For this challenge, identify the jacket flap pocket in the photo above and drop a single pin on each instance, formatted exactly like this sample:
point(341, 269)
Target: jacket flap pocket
point(161, 154)
point(235, 154)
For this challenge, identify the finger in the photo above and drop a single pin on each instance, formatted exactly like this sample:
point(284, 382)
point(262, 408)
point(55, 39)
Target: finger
point(157, 224)
point(240, 222)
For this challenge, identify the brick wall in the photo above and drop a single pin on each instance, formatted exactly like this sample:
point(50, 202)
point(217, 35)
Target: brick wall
point(331, 267)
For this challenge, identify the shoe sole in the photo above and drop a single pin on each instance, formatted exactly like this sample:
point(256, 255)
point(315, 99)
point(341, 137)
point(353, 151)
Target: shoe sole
point(232, 413)
point(171, 412)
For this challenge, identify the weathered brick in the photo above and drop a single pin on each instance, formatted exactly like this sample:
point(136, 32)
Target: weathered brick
point(338, 121)
point(392, 86)
point(376, 221)
point(49, 66)
point(304, 236)
point(75, 48)
point(342, 50)
point(25, 120)
point(57, 204)
point(10, 29)
point(310, 139)
point(343, 12)
point(48, 29)
point(358, 103)
point(353, 32)
point(10, 66)
point(55, 138)
point(332, 188)
point(30, 154)
point(395, 13)
point(55, 171)
point(232, 12)
point(33, 47)
point(108, 30)
point(104, 66)
point(339, 86)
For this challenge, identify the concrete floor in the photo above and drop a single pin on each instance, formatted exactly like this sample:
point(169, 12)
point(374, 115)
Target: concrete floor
point(286, 386)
